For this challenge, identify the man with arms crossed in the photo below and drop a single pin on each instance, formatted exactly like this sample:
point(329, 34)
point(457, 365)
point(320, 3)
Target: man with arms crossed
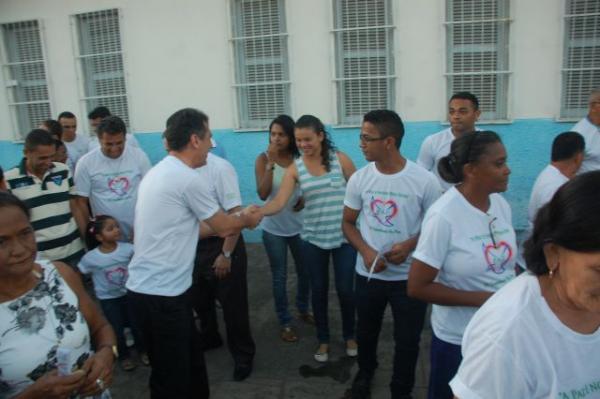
point(390, 196)
point(172, 199)
point(463, 112)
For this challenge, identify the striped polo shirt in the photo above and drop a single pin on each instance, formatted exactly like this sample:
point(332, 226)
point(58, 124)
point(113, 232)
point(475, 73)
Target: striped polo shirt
point(323, 205)
point(56, 232)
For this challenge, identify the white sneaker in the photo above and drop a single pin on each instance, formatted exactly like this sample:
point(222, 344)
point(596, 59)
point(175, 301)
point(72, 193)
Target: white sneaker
point(322, 354)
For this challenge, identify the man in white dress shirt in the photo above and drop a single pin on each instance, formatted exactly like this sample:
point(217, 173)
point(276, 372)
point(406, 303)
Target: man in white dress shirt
point(589, 127)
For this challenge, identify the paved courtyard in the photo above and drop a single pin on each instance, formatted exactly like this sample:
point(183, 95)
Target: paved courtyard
point(285, 370)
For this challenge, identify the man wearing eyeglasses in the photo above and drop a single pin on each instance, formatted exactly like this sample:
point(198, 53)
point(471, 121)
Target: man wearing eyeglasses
point(589, 128)
point(390, 196)
point(463, 112)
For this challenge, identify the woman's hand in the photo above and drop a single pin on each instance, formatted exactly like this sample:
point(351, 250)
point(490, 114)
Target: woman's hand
point(54, 386)
point(99, 370)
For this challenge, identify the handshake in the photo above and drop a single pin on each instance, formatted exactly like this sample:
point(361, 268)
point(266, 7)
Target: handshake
point(252, 215)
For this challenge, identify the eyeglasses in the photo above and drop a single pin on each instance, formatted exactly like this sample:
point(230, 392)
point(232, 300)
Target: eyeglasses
point(491, 230)
point(368, 139)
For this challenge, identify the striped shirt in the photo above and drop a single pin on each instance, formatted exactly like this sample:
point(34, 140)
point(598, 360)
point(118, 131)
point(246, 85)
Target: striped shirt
point(56, 232)
point(323, 205)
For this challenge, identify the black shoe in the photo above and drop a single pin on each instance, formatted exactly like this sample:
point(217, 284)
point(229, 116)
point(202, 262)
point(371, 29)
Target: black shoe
point(242, 371)
point(361, 386)
point(213, 342)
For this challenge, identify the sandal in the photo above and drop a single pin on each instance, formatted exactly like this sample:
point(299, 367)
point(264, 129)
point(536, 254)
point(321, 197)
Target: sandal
point(307, 317)
point(127, 364)
point(144, 359)
point(351, 348)
point(288, 335)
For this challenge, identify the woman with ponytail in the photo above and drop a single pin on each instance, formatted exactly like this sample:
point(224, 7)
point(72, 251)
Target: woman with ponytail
point(539, 336)
point(321, 173)
point(466, 250)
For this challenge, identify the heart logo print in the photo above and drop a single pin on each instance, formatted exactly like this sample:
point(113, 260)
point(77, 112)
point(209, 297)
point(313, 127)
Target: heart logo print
point(119, 185)
point(384, 211)
point(116, 276)
point(497, 257)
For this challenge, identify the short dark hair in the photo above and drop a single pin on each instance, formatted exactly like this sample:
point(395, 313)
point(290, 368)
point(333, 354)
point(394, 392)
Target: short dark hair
point(182, 125)
point(66, 114)
point(7, 199)
point(571, 220)
point(287, 124)
point(58, 144)
point(388, 123)
point(566, 145)
point(54, 128)
point(111, 125)
point(465, 95)
point(469, 147)
point(99, 112)
point(36, 138)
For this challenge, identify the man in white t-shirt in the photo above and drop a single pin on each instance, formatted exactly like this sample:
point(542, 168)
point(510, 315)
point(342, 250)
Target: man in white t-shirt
point(108, 177)
point(388, 197)
point(172, 200)
point(463, 112)
point(568, 151)
point(589, 127)
point(77, 144)
point(220, 274)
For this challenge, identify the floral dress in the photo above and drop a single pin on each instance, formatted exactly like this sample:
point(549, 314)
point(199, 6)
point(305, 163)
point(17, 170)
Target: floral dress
point(34, 326)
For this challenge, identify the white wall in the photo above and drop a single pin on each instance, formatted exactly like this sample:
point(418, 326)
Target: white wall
point(178, 53)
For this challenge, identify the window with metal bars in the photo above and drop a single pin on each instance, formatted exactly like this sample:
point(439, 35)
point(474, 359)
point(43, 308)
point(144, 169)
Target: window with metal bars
point(261, 61)
point(25, 73)
point(365, 77)
point(477, 53)
point(101, 62)
point(581, 58)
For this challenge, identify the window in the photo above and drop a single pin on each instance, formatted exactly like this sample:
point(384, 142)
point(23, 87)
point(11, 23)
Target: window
point(365, 78)
point(101, 62)
point(477, 53)
point(261, 61)
point(25, 74)
point(581, 59)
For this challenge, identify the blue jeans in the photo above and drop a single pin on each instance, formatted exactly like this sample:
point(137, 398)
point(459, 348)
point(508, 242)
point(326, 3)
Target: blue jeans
point(445, 359)
point(119, 314)
point(277, 249)
point(317, 263)
point(372, 298)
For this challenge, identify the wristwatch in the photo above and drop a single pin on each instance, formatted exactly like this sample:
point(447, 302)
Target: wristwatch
point(226, 254)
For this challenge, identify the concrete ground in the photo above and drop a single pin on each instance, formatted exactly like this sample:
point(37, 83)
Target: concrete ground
point(286, 370)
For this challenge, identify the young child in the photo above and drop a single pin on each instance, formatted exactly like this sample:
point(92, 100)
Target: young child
point(107, 262)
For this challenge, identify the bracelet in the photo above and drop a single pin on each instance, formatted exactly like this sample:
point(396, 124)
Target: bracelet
point(112, 347)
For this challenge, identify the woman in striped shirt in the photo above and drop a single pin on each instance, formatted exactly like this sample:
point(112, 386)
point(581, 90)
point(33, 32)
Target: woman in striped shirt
point(322, 173)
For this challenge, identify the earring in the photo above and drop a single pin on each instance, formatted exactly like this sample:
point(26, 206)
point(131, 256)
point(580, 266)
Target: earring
point(551, 273)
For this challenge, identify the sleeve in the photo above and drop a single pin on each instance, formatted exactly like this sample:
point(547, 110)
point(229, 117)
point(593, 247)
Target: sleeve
point(434, 240)
point(145, 164)
point(83, 184)
point(198, 197)
point(133, 141)
point(426, 158)
point(489, 371)
point(85, 265)
point(433, 191)
point(226, 185)
point(353, 199)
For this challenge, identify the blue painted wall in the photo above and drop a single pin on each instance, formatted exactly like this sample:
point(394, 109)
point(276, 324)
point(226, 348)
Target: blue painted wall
point(528, 142)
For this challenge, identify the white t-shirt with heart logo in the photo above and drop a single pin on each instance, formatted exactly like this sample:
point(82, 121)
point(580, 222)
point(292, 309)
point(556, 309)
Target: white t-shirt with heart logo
point(458, 239)
point(108, 270)
point(391, 210)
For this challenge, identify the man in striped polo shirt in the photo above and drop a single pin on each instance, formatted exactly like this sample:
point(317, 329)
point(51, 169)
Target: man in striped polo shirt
point(47, 189)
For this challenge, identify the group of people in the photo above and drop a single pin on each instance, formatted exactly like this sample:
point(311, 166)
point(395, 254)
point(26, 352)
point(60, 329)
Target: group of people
point(509, 319)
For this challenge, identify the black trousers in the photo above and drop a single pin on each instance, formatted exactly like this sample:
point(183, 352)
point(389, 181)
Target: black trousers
point(232, 294)
point(372, 297)
point(173, 346)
